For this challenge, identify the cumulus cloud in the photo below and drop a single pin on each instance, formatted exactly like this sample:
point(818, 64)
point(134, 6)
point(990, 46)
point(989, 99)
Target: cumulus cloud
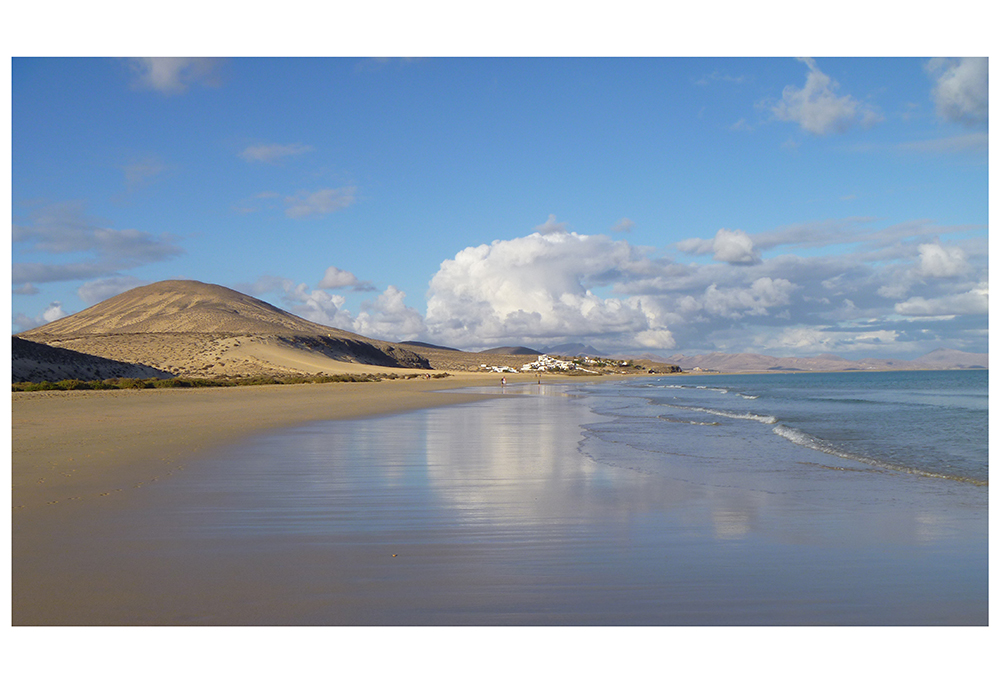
point(728, 246)
point(937, 260)
point(335, 278)
point(319, 307)
point(762, 295)
point(734, 246)
point(388, 317)
point(312, 304)
point(531, 288)
point(854, 294)
point(659, 340)
point(817, 108)
point(327, 200)
point(271, 153)
point(961, 89)
point(385, 317)
point(54, 311)
point(173, 75)
point(27, 289)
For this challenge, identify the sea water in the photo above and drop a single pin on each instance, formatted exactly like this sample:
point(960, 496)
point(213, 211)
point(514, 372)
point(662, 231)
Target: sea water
point(927, 424)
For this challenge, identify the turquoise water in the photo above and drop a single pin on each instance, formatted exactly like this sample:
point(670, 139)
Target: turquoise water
point(931, 424)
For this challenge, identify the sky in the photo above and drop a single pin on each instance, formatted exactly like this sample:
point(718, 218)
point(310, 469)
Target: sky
point(791, 206)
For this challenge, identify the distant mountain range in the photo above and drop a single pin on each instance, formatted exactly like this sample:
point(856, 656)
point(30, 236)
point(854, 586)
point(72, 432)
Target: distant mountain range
point(941, 359)
point(574, 350)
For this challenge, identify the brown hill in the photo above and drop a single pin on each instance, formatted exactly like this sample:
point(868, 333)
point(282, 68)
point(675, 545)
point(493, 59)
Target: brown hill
point(192, 328)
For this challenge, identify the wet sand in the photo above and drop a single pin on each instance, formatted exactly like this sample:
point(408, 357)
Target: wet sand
point(216, 522)
point(76, 447)
point(487, 513)
point(84, 462)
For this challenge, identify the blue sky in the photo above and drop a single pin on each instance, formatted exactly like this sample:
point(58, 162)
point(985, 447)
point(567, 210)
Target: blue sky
point(642, 205)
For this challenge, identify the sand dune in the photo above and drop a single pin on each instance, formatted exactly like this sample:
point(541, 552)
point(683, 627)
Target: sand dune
point(32, 362)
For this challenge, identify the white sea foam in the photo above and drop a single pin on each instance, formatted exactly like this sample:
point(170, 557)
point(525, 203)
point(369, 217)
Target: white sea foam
point(763, 419)
point(802, 439)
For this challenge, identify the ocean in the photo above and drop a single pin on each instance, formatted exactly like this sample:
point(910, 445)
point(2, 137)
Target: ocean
point(819, 499)
point(928, 424)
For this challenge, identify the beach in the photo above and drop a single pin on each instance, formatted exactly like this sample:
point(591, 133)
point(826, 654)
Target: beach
point(98, 454)
point(85, 445)
point(420, 502)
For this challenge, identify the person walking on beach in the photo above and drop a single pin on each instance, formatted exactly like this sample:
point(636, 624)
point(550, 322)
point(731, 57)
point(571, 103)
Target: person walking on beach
point(503, 382)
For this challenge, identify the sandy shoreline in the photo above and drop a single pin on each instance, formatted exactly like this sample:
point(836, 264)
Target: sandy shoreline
point(73, 448)
point(275, 506)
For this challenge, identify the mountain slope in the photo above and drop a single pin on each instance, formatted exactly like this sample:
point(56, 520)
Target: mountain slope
point(194, 328)
point(32, 362)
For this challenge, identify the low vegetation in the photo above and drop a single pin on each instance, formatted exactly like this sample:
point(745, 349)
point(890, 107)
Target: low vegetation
point(192, 382)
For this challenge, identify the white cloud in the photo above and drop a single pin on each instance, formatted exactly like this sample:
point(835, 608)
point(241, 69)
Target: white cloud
point(96, 291)
point(27, 289)
point(271, 153)
point(388, 317)
point(734, 246)
point(54, 311)
point(531, 288)
point(961, 89)
point(314, 305)
point(319, 307)
point(940, 261)
point(173, 75)
point(335, 278)
point(763, 294)
point(809, 341)
point(879, 288)
point(974, 302)
point(817, 108)
point(327, 200)
point(728, 246)
point(660, 340)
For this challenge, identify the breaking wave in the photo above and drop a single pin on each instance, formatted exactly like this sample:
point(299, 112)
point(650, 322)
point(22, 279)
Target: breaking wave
point(802, 439)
